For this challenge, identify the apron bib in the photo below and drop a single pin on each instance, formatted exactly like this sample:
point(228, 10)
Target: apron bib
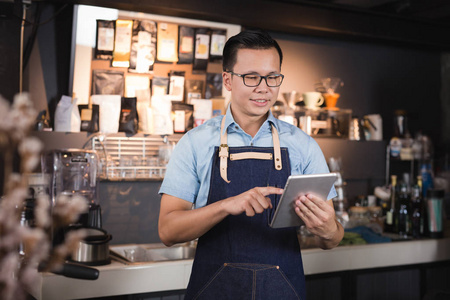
point(242, 257)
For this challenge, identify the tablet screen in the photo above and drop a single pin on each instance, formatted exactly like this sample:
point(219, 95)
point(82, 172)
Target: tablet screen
point(296, 186)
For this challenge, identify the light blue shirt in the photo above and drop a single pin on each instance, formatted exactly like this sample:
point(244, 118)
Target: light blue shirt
point(188, 173)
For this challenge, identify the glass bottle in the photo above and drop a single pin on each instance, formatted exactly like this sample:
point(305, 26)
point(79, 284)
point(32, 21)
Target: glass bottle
point(417, 218)
point(401, 142)
point(403, 222)
point(376, 215)
point(389, 225)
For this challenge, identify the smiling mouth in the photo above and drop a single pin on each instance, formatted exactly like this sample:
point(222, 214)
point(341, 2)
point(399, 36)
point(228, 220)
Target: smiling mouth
point(260, 100)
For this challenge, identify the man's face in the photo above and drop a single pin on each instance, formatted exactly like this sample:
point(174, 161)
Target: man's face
point(252, 101)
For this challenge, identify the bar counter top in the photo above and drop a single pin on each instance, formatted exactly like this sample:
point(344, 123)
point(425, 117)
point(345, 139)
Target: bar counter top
point(121, 279)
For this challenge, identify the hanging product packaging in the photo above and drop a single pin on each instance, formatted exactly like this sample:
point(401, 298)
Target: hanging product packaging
point(109, 112)
point(218, 39)
point(128, 121)
point(90, 115)
point(186, 45)
point(202, 40)
point(105, 39)
point(106, 82)
point(161, 115)
point(176, 85)
point(134, 83)
point(67, 116)
point(184, 117)
point(202, 111)
point(218, 106)
point(143, 46)
point(213, 85)
point(122, 43)
point(167, 44)
point(150, 127)
point(194, 90)
point(139, 87)
point(160, 85)
point(142, 106)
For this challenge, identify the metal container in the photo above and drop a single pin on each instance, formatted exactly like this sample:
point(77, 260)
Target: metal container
point(322, 122)
point(93, 250)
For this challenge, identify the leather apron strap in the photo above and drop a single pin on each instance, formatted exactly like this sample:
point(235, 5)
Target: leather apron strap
point(224, 151)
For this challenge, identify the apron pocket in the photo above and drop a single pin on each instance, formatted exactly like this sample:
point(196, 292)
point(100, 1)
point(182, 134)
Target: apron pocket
point(248, 281)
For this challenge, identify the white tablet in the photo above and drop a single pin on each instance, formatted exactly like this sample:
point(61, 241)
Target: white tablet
point(296, 186)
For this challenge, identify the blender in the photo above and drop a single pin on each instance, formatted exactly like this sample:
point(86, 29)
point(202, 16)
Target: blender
point(73, 172)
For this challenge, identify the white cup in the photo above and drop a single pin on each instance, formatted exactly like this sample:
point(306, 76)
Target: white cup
point(312, 99)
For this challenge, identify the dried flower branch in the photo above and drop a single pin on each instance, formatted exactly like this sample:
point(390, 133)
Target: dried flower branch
point(23, 248)
point(67, 209)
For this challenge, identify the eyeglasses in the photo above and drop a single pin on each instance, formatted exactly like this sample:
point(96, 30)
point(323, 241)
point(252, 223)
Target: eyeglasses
point(252, 80)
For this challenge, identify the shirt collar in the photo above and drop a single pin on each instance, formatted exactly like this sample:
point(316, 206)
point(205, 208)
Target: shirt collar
point(229, 120)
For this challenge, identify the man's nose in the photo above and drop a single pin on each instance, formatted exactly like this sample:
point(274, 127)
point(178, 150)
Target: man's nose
point(263, 84)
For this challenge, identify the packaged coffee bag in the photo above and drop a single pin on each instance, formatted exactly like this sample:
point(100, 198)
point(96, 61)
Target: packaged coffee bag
point(90, 117)
point(184, 117)
point(67, 116)
point(143, 46)
point(186, 45)
point(109, 112)
point(104, 46)
point(107, 82)
point(128, 121)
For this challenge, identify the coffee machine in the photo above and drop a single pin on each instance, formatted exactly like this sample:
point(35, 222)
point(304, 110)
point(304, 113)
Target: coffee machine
point(73, 172)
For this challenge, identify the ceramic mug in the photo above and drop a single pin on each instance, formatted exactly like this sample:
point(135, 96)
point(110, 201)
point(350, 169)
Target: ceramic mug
point(312, 99)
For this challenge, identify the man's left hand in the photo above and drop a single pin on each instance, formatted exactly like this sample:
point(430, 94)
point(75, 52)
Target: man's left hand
point(318, 215)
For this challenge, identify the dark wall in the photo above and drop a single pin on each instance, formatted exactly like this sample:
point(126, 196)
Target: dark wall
point(9, 49)
point(51, 26)
point(55, 42)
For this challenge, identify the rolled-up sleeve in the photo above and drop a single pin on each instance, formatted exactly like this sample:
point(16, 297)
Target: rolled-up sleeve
point(181, 179)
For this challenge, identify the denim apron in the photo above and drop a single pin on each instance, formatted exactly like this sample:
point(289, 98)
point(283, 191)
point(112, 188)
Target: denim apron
point(242, 257)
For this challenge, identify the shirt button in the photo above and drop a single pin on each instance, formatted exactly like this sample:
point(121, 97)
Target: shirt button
point(235, 127)
point(251, 144)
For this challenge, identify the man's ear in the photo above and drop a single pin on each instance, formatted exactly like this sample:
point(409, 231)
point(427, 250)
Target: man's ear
point(226, 78)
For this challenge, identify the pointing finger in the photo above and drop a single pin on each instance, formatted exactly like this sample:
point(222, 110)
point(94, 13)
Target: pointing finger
point(269, 190)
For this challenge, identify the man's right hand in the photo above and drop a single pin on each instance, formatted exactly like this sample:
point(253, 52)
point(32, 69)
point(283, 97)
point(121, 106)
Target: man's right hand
point(252, 202)
point(178, 222)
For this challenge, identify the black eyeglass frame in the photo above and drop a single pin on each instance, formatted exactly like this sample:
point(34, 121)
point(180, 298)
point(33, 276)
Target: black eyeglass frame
point(260, 78)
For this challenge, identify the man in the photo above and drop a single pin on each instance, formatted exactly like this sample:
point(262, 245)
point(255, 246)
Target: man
point(232, 169)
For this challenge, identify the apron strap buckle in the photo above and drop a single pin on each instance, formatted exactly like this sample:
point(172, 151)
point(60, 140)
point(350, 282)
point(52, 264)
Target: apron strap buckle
point(223, 154)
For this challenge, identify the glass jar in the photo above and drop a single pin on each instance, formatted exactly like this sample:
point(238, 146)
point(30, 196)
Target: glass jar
point(358, 216)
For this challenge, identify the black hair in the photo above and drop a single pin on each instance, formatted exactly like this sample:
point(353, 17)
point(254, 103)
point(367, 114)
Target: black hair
point(248, 39)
